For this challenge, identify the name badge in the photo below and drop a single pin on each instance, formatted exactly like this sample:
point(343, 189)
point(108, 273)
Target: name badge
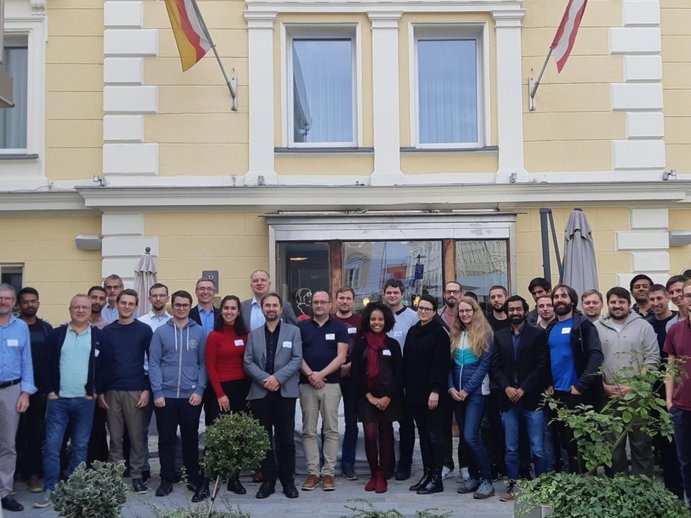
point(12, 342)
point(566, 330)
point(96, 353)
point(386, 352)
point(288, 345)
point(398, 333)
point(330, 336)
point(239, 343)
point(352, 330)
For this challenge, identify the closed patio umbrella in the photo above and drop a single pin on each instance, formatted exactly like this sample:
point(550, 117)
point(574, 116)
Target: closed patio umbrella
point(144, 278)
point(580, 268)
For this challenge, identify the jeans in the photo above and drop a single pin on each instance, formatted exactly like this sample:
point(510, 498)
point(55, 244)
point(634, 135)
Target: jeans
point(469, 417)
point(535, 426)
point(681, 419)
point(62, 414)
point(350, 399)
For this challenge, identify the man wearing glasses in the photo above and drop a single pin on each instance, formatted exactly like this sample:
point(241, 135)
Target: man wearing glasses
point(453, 291)
point(324, 350)
point(204, 312)
point(177, 372)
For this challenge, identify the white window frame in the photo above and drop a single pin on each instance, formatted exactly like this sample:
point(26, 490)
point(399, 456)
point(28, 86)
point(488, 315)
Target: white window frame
point(478, 32)
point(28, 19)
point(290, 32)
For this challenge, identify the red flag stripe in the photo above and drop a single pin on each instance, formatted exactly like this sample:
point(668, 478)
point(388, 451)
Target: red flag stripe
point(195, 38)
point(566, 33)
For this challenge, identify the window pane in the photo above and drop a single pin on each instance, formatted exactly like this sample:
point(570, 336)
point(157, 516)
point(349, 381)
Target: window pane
point(322, 91)
point(13, 120)
point(482, 264)
point(447, 91)
point(367, 265)
point(303, 269)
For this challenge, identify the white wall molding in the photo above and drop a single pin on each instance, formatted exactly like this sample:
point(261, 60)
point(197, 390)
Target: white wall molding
point(648, 242)
point(123, 243)
point(641, 93)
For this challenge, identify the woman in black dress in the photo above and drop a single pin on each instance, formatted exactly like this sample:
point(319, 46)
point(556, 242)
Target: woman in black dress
point(377, 368)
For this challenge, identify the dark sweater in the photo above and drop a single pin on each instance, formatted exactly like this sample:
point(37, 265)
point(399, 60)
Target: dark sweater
point(39, 333)
point(130, 345)
point(426, 362)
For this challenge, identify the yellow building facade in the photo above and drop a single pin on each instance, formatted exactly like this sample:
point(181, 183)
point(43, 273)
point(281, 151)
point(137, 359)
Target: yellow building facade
point(370, 140)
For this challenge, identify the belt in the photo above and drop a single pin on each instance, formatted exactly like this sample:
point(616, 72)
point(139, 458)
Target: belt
point(6, 384)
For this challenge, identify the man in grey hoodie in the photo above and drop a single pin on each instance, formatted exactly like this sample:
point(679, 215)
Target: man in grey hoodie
point(629, 345)
point(177, 372)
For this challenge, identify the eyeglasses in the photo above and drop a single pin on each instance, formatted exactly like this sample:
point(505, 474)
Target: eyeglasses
point(424, 310)
point(465, 311)
point(320, 302)
point(181, 306)
point(453, 292)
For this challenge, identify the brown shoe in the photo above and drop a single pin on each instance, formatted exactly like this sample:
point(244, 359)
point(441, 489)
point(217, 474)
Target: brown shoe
point(509, 495)
point(311, 483)
point(34, 484)
point(328, 483)
point(257, 476)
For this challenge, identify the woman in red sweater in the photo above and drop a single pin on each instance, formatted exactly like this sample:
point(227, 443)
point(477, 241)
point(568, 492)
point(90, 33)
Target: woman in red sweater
point(225, 348)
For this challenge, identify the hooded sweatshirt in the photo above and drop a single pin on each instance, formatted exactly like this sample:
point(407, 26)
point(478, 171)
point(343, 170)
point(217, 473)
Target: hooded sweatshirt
point(634, 345)
point(177, 361)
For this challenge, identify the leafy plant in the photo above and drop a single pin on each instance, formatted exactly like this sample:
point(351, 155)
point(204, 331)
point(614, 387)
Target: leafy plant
point(99, 491)
point(432, 513)
point(371, 512)
point(234, 442)
point(199, 512)
point(578, 496)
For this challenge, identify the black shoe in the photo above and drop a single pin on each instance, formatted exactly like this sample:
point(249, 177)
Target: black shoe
point(146, 475)
point(433, 485)
point(266, 489)
point(422, 482)
point(349, 473)
point(139, 486)
point(235, 486)
point(165, 488)
point(402, 473)
point(290, 491)
point(11, 504)
point(202, 492)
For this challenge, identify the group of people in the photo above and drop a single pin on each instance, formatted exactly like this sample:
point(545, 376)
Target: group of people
point(486, 367)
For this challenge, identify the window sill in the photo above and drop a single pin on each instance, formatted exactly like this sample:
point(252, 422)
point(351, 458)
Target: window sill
point(18, 156)
point(323, 150)
point(485, 149)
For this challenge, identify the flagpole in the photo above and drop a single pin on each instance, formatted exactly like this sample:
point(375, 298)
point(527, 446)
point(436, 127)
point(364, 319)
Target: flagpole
point(533, 84)
point(230, 82)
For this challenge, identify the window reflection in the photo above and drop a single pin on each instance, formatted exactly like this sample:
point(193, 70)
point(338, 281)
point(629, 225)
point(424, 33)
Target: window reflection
point(482, 264)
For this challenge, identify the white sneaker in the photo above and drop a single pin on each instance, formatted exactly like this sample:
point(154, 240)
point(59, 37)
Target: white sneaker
point(44, 502)
point(465, 474)
point(446, 472)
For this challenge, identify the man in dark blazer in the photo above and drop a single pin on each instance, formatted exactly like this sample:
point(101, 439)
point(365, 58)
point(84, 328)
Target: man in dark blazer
point(204, 312)
point(273, 357)
point(252, 313)
point(519, 367)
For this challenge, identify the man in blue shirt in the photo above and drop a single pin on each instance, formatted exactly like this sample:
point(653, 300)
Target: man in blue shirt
point(16, 385)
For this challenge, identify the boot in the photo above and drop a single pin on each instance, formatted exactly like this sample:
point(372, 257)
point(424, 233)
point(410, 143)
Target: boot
point(372, 484)
point(235, 486)
point(422, 482)
point(381, 484)
point(433, 485)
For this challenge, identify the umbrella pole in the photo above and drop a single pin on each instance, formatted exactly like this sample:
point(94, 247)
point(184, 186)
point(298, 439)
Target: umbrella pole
point(546, 266)
point(560, 265)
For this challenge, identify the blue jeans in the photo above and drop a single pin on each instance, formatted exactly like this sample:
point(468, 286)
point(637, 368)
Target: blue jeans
point(77, 416)
point(469, 417)
point(535, 426)
point(681, 419)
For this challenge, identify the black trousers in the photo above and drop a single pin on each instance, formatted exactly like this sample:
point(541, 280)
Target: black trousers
point(430, 426)
point(237, 394)
point(178, 412)
point(406, 433)
point(277, 415)
point(30, 434)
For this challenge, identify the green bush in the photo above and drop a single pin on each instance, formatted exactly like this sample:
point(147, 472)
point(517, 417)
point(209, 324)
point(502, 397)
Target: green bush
point(97, 492)
point(199, 512)
point(585, 496)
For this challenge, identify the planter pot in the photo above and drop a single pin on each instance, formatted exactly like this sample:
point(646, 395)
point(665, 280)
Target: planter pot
point(529, 511)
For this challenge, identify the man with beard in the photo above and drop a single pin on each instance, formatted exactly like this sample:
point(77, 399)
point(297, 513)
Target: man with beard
point(629, 346)
point(519, 367)
point(453, 291)
point(273, 357)
point(538, 287)
point(639, 286)
point(591, 302)
point(496, 316)
point(32, 422)
point(97, 296)
point(575, 357)
point(345, 298)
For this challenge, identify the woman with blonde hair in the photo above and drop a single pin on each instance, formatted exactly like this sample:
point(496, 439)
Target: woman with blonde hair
point(471, 338)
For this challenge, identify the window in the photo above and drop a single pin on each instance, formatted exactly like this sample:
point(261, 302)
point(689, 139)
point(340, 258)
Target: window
point(13, 120)
point(481, 265)
point(11, 274)
point(448, 82)
point(321, 88)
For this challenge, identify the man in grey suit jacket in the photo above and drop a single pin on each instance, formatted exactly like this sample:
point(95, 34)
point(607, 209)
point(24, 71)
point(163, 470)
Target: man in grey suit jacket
point(273, 357)
point(251, 311)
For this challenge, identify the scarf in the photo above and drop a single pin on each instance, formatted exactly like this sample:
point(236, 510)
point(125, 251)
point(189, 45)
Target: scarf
point(375, 342)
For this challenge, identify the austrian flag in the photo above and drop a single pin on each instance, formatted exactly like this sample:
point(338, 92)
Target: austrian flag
point(566, 33)
point(189, 30)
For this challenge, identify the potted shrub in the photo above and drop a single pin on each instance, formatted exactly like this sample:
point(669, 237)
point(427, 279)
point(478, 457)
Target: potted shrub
point(597, 435)
point(99, 491)
point(234, 442)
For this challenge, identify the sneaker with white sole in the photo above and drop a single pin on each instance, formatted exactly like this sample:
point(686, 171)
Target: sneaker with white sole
point(45, 501)
point(446, 472)
point(485, 490)
point(469, 486)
